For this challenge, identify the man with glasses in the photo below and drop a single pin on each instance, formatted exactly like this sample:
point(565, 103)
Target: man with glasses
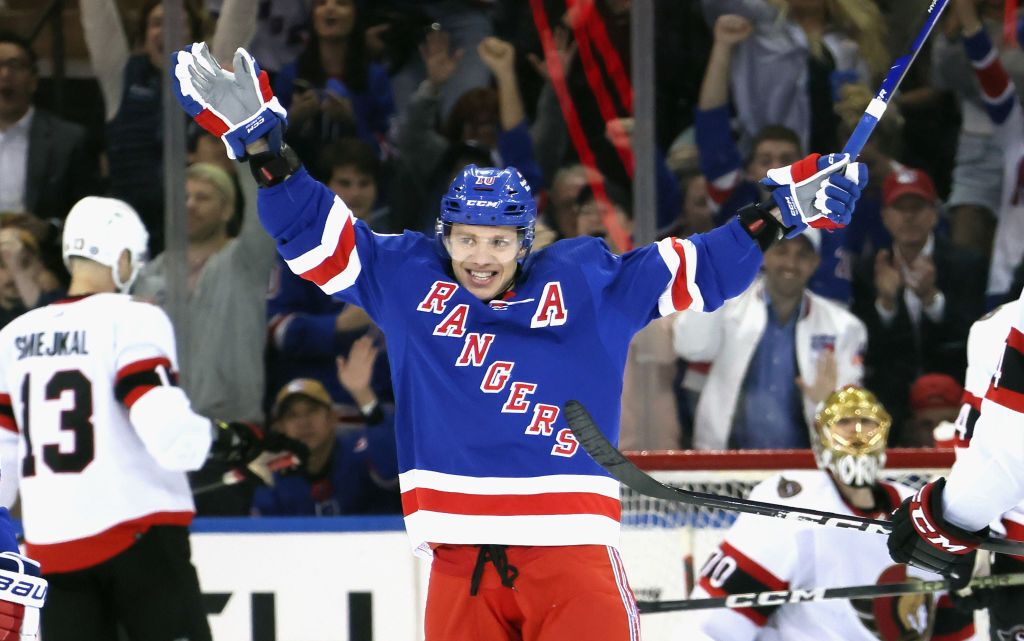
point(44, 160)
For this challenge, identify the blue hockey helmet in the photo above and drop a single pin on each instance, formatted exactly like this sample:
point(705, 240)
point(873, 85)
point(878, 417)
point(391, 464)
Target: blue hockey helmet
point(489, 196)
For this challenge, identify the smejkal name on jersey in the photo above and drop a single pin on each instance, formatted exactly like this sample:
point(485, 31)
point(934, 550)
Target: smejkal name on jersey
point(57, 344)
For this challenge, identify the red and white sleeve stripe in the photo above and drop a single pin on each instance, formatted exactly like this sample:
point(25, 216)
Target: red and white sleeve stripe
point(333, 264)
point(680, 257)
point(721, 188)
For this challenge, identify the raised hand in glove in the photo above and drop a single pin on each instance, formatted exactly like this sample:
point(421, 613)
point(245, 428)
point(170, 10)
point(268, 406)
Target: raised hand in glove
point(239, 106)
point(22, 594)
point(922, 537)
point(818, 191)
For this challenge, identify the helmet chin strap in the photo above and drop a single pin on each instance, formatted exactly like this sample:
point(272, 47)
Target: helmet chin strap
point(127, 285)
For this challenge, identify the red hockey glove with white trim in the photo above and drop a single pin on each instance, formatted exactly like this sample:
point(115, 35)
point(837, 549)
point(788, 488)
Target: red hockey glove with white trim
point(817, 191)
point(922, 537)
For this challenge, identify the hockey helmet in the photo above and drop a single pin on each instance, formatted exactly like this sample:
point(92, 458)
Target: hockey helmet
point(492, 197)
point(100, 229)
point(852, 430)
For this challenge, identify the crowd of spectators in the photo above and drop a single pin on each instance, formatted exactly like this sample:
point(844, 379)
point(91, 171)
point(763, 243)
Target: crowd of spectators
point(389, 99)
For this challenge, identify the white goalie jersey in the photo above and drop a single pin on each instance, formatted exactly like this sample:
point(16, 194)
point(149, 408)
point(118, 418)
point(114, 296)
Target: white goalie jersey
point(762, 554)
point(94, 432)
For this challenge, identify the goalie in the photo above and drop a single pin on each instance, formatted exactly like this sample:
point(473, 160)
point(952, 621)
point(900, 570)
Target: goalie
point(759, 555)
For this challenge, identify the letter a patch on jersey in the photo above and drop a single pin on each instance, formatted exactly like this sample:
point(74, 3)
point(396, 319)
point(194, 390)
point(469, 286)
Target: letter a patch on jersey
point(551, 310)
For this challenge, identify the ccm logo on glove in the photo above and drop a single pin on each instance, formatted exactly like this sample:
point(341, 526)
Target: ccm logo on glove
point(922, 525)
point(254, 124)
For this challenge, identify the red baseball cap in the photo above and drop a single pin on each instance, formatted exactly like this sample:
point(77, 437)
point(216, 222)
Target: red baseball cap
point(935, 390)
point(906, 180)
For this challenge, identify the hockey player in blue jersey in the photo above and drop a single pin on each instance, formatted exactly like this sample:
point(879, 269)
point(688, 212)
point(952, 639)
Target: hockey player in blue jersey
point(487, 342)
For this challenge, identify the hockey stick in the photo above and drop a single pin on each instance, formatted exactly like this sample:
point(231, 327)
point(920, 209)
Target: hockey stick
point(876, 108)
point(262, 467)
point(810, 595)
point(611, 459)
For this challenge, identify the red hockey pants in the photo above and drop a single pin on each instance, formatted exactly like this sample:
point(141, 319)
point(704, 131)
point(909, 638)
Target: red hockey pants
point(562, 593)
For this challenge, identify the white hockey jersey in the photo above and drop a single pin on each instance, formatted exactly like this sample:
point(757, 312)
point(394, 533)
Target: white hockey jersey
point(99, 455)
point(987, 479)
point(985, 346)
point(764, 554)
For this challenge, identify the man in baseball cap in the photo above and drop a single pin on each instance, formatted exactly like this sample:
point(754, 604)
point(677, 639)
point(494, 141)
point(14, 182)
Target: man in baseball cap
point(934, 399)
point(907, 181)
point(352, 471)
point(307, 388)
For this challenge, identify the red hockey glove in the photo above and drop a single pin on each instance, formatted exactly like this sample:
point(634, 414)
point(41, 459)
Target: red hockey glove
point(922, 537)
point(22, 594)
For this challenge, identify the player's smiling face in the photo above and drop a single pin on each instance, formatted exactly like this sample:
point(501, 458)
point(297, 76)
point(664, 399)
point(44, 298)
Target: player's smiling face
point(483, 257)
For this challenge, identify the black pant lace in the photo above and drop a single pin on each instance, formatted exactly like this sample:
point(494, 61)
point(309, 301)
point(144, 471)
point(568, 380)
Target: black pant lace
point(496, 555)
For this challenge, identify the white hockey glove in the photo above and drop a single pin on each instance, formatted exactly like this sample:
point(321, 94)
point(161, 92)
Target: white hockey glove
point(239, 107)
point(818, 191)
point(22, 594)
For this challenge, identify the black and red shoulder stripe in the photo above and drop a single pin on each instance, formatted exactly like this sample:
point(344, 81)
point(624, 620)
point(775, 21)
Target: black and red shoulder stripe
point(1007, 387)
point(7, 421)
point(135, 379)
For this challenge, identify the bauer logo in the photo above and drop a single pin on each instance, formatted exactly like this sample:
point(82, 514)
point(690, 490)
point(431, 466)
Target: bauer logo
point(254, 124)
point(20, 591)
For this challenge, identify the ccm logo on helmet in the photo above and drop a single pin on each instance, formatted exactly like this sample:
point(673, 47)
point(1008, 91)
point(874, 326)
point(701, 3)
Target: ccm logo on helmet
point(481, 203)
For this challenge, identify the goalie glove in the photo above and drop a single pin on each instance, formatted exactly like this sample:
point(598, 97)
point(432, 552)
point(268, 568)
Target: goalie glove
point(22, 594)
point(818, 191)
point(238, 107)
point(922, 537)
point(237, 444)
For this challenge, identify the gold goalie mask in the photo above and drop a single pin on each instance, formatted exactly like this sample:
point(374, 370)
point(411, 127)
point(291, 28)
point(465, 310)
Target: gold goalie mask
point(852, 429)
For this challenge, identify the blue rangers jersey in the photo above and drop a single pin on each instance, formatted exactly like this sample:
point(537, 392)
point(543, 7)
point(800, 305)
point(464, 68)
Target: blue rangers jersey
point(485, 456)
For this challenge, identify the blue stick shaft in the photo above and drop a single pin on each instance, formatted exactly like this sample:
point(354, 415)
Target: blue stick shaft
point(891, 83)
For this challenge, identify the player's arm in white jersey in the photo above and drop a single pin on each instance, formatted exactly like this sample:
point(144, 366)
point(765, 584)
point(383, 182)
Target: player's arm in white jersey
point(941, 525)
point(161, 413)
point(146, 384)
